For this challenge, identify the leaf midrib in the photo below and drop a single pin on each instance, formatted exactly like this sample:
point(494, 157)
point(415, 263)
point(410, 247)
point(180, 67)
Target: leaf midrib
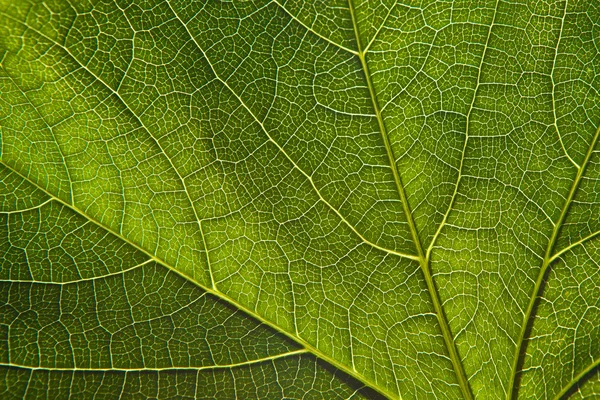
point(459, 371)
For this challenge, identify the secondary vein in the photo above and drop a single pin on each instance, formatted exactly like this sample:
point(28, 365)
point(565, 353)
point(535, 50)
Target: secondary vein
point(548, 259)
point(213, 291)
point(576, 379)
point(158, 369)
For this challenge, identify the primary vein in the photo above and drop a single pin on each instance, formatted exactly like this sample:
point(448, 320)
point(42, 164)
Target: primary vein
point(423, 259)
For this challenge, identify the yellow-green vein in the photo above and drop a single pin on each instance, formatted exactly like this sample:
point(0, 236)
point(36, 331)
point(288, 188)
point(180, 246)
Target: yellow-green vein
point(548, 258)
point(215, 292)
point(423, 260)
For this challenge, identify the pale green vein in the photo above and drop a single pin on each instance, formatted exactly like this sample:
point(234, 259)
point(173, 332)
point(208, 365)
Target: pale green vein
point(464, 150)
point(287, 156)
point(198, 220)
point(69, 282)
point(311, 30)
point(23, 210)
point(215, 292)
point(548, 258)
point(577, 379)
point(387, 17)
point(134, 325)
point(562, 23)
point(159, 369)
point(574, 244)
point(423, 259)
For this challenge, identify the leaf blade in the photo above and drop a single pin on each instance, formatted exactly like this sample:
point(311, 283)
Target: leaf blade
point(242, 144)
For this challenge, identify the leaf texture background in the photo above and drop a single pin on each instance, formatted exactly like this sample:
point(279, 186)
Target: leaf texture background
point(292, 199)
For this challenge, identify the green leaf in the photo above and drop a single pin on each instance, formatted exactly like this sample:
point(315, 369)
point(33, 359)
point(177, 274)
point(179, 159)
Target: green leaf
point(299, 199)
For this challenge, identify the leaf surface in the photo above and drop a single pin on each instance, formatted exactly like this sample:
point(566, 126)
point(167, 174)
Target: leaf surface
point(291, 199)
